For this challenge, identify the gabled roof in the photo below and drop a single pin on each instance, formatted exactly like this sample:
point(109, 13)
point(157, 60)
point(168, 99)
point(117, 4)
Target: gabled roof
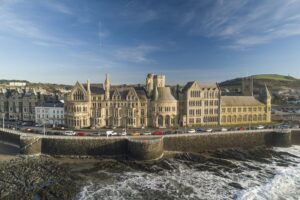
point(188, 85)
point(240, 101)
point(201, 85)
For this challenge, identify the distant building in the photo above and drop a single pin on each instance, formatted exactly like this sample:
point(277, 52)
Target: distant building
point(17, 84)
point(50, 113)
point(19, 104)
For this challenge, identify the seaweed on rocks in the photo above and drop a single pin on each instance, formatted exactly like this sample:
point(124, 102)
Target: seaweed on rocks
point(36, 178)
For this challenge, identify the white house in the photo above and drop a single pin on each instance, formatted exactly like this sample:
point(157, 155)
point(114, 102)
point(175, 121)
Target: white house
point(50, 113)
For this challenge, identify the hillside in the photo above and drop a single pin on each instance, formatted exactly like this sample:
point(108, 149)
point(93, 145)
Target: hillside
point(275, 81)
point(49, 87)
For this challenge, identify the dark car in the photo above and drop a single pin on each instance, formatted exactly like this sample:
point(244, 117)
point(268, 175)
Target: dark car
point(200, 130)
point(167, 133)
point(157, 133)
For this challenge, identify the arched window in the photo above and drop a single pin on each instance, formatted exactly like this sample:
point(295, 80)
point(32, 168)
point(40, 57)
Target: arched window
point(78, 96)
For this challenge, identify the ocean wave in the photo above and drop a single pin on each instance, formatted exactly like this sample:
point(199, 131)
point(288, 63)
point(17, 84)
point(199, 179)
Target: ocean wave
point(233, 174)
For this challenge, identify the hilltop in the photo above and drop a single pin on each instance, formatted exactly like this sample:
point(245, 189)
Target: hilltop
point(275, 81)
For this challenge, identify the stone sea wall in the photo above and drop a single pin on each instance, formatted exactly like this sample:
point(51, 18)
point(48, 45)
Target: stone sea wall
point(149, 147)
point(10, 137)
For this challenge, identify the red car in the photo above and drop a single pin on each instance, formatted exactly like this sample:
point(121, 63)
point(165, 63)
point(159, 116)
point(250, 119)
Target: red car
point(82, 134)
point(158, 133)
point(242, 129)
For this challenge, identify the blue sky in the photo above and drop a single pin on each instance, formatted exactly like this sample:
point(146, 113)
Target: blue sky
point(207, 40)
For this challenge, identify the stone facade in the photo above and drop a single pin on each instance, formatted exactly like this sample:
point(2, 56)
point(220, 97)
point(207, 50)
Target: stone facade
point(199, 104)
point(50, 113)
point(155, 105)
point(19, 104)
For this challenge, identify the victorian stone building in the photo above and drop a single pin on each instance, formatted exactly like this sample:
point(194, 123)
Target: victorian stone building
point(19, 104)
point(155, 105)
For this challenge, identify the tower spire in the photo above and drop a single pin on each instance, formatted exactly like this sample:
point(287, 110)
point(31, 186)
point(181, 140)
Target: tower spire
point(107, 87)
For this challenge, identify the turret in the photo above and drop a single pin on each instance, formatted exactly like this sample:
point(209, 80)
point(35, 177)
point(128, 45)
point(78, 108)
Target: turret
point(155, 94)
point(88, 89)
point(247, 86)
point(149, 84)
point(107, 87)
point(266, 98)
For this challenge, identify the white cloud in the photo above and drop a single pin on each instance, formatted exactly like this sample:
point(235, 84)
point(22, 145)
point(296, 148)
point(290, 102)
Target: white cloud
point(58, 7)
point(137, 54)
point(12, 24)
point(244, 23)
point(139, 12)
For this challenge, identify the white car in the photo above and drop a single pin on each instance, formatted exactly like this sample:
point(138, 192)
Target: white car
point(223, 129)
point(146, 133)
point(70, 133)
point(260, 127)
point(124, 133)
point(109, 133)
point(209, 130)
point(192, 131)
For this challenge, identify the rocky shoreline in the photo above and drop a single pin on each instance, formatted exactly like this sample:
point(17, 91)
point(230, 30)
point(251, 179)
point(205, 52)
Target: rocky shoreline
point(41, 177)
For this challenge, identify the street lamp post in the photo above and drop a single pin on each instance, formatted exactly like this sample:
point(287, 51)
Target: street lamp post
point(3, 120)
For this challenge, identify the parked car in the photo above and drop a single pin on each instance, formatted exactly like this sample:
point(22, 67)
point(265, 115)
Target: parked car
point(199, 130)
point(285, 126)
point(123, 133)
point(82, 134)
point(70, 133)
point(58, 128)
point(28, 130)
point(260, 127)
point(192, 131)
point(242, 129)
point(157, 133)
point(146, 133)
point(224, 129)
point(135, 134)
point(209, 130)
point(109, 133)
point(95, 134)
point(167, 132)
point(178, 132)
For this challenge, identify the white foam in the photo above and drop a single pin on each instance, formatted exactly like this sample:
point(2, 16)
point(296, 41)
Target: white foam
point(186, 182)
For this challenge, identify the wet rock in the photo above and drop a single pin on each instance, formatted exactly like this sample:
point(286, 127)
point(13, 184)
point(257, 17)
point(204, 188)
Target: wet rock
point(36, 178)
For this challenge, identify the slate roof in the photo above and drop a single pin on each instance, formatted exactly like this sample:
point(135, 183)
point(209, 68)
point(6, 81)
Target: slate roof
point(164, 94)
point(95, 88)
point(240, 101)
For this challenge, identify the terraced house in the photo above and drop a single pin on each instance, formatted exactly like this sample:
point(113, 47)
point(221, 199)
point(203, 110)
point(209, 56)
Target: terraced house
point(156, 105)
point(19, 104)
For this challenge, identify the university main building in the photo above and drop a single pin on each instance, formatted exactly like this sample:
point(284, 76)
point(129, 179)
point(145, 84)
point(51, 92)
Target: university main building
point(155, 105)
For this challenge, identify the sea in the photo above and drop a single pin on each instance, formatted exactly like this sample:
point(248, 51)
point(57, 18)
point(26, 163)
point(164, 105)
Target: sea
point(257, 174)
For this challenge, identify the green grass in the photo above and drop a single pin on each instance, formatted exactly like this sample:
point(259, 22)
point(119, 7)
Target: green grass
point(274, 77)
